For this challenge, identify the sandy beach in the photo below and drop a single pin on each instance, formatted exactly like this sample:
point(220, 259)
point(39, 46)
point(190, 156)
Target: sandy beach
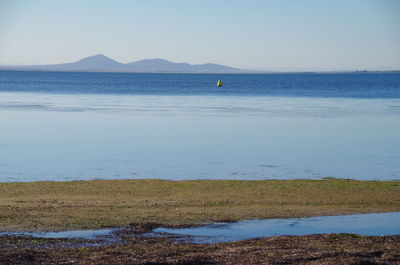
point(138, 206)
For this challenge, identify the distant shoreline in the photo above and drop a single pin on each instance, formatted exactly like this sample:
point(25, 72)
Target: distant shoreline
point(201, 73)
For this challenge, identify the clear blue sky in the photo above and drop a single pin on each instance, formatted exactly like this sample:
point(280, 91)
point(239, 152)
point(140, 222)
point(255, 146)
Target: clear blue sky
point(304, 34)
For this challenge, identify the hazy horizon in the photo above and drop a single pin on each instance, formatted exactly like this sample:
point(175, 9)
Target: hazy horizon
point(255, 69)
point(256, 35)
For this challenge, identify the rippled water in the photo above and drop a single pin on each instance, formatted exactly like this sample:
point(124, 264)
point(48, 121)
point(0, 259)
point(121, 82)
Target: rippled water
point(355, 85)
point(276, 127)
point(363, 224)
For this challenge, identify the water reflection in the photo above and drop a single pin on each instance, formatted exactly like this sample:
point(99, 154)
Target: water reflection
point(45, 137)
point(364, 224)
point(82, 234)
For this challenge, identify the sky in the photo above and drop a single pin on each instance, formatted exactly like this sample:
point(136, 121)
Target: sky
point(247, 34)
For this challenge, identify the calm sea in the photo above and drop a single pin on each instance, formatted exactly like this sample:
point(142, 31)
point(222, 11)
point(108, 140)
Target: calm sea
point(64, 126)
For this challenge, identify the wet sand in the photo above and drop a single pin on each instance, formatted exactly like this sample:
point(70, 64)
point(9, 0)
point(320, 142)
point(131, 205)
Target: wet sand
point(147, 204)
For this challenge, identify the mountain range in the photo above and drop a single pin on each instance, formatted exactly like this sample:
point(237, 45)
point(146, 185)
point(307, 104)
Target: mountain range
point(103, 63)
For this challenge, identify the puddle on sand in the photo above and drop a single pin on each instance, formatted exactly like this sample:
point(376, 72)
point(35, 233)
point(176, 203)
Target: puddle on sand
point(74, 238)
point(85, 234)
point(363, 224)
point(103, 234)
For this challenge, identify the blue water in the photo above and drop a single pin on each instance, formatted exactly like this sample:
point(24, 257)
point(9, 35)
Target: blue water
point(363, 224)
point(356, 85)
point(84, 234)
point(67, 126)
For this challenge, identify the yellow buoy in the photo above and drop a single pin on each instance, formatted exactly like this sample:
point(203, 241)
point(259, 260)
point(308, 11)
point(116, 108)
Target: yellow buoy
point(219, 83)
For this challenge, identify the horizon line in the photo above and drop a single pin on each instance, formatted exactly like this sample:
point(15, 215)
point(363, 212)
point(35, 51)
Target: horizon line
point(270, 69)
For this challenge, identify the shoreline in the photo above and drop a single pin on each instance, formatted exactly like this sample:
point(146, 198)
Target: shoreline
point(148, 227)
point(96, 204)
point(238, 72)
point(361, 225)
point(138, 204)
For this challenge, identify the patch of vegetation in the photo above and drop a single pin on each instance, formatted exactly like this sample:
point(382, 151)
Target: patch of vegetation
point(117, 203)
point(347, 235)
point(2, 217)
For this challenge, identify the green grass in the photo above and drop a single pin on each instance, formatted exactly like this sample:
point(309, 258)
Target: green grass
point(347, 236)
point(116, 203)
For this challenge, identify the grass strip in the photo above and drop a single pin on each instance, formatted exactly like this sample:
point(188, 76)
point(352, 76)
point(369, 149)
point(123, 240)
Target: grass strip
point(117, 203)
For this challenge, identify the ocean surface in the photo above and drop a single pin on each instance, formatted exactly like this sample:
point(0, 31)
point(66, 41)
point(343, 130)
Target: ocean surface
point(68, 126)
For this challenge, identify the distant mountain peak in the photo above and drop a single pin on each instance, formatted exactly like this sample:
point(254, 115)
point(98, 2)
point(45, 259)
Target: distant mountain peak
point(100, 62)
point(98, 57)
